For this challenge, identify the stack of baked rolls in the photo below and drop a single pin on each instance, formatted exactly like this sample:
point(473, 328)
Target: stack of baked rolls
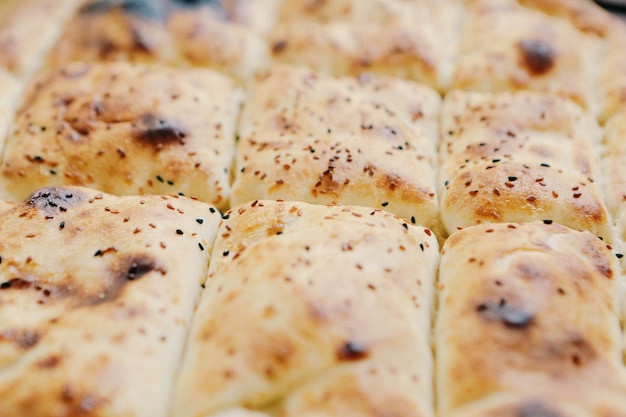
point(305, 208)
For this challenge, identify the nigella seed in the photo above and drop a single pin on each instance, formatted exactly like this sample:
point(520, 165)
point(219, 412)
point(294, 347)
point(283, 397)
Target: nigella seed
point(179, 232)
point(225, 253)
point(200, 221)
point(201, 246)
point(413, 219)
point(384, 203)
point(211, 209)
point(226, 216)
point(547, 221)
point(62, 225)
point(619, 255)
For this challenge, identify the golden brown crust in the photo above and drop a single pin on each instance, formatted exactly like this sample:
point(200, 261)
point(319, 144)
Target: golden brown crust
point(336, 324)
point(586, 15)
point(125, 129)
point(30, 31)
point(203, 39)
point(96, 293)
point(519, 157)
point(205, 34)
point(367, 141)
point(511, 316)
point(412, 40)
point(505, 47)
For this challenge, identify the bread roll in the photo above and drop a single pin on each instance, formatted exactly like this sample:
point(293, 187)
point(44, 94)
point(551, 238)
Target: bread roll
point(367, 141)
point(520, 157)
point(313, 311)
point(96, 296)
point(505, 47)
point(125, 129)
point(530, 309)
point(29, 31)
point(218, 35)
point(414, 40)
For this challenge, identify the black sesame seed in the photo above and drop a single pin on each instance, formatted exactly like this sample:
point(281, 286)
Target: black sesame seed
point(619, 255)
point(179, 232)
point(159, 178)
point(200, 246)
point(62, 225)
point(53, 172)
point(543, 164)
point(512, 178)
point(547, 221)
point(5, 285)
point(200, 221)
point(446, 182)
point(495, 160)
point(384, 203)
point(406, 226)
point(422, 247)
point(211, 209)
point(170, 182)
point(225, 253)
point(98, 253)
point(413, 219)
point(226, 216)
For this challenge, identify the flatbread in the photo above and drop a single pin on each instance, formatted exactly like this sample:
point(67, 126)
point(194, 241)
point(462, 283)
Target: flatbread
point(96, 296)
point(125, 129)
point(530, 309)
point(505, 47)
point(369, 141)
point(217, 35)
point(339, 326)
point(414, 40)
point(519, 157)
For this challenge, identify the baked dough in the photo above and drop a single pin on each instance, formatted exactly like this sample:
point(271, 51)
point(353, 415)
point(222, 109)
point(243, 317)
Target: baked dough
point(530, 309)
point(520, 156)
point(414, 40)
point(125, 129)
point(368, 141)
point(217, 35)
point(313, 310)
point(96, 296)
point(10, 89)
point(29, 32)
point(505, 47)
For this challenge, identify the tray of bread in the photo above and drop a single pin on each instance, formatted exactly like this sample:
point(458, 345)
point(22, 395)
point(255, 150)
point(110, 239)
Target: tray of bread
point(312, 208)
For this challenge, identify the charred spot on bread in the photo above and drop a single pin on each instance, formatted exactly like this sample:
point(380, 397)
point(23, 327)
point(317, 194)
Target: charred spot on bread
point(130, 268)
point(537, 56)
point(157, 132)
point(502, 311)
point(352, 351)
point(197, 3)
point(24, 339)
point(53, 199)
point(147, 9)
point(536, 409)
